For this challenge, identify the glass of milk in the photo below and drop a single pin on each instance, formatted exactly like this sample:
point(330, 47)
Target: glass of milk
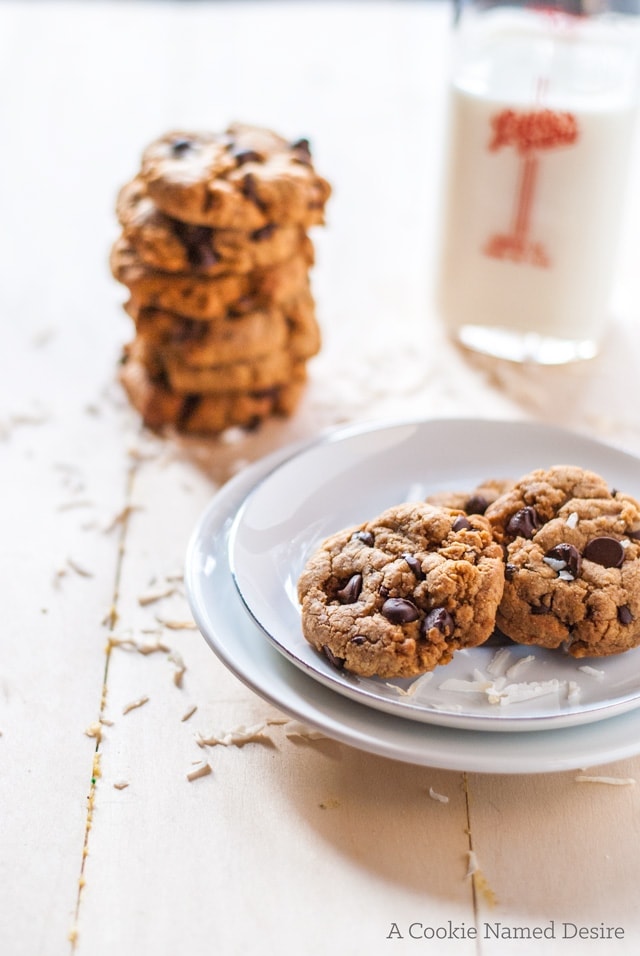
point(541, 125)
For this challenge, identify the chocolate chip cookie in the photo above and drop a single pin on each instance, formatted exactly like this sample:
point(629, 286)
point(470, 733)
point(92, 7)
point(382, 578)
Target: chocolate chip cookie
point(398, 595)
point(172, 245)
point(205, 297)
point(572, 551)
point(245, 178)
point(161, 407)
point(231, 338)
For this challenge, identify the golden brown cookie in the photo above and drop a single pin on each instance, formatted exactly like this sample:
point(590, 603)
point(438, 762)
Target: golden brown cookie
point(398, 595)
point(265, 372)
point(160, 407)
point(572, 570)
point(171, 245)
point(198, 342)
point(244, 178)
point(203, 297)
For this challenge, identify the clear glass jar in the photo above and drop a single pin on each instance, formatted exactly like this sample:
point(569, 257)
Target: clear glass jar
point(542, 116)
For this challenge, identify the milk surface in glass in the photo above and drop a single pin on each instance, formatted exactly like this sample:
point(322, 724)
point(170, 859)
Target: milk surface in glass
point(541, 127)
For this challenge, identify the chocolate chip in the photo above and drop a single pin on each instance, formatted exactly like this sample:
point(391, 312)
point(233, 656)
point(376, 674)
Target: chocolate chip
point(415, 565)
point(241, 307)
point(197, 243)
point(350, 592)
point(523, 523)
point(180, 146)
point(400, 611)
point(570, 555)
point(187, 330)
point(461, 523)
point(510, 571)
point(189, 406)
point(439, 618)
point(540, 609)
point(624, 615)
point(250, 190)
point(634, 534)
point(261, 235)
point(331, 657)
point(476, 505)
point(365, 536)
point(358, 640)
point(605, 551)
point(302, 150)
point(243, 156)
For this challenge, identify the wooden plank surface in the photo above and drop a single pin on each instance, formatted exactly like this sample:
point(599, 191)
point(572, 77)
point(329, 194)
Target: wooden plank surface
point(290, 844)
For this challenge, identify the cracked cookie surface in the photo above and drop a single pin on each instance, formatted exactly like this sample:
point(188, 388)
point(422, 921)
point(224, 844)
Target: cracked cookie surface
point(572, 573)
point(398, 595)
point(244, 178)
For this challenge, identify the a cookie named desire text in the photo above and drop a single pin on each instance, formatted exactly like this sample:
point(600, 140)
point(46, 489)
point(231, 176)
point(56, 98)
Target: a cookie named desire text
point(495, 930)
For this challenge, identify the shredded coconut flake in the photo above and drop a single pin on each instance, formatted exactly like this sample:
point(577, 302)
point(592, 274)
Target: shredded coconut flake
point(519, 666)
point(179, 667)
point(203, 769)
point(499, 663)
point(134, 704)
point(440, 797)
point(573, 692)
point(591, 671)
point(121, 784)
point(296, 729)
point(612, 781)
point(473, 865)
point(151, 596)
point(189, 713)
point(572, 520)
point(175, 625)
point(95, 730)
point(556, 564)
point(234, 738)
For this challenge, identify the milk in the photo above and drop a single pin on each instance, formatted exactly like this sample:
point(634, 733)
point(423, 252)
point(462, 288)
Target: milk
point(541, 127)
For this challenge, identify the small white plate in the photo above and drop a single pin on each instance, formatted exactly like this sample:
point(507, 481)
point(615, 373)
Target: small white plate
point(351, 475)
point(241, 646)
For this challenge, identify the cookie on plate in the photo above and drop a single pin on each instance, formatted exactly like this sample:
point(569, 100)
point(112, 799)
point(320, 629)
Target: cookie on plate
point(244, 178)
point(572, 573)
point(171, 245)
point(398, 595)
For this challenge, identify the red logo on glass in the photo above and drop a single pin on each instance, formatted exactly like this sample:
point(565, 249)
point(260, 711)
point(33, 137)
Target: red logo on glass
point(529, 133)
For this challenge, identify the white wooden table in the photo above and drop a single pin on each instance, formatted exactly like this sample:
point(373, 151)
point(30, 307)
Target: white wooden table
point(287, 846)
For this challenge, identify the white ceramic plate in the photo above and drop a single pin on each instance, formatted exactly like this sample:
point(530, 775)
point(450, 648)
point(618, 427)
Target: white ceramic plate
point(241, 645)
point(351, 475)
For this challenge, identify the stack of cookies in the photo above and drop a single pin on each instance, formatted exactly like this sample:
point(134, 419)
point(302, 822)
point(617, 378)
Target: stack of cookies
point(215, 254)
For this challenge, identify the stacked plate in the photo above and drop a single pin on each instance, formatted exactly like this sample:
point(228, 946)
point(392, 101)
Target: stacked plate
point(249, 547)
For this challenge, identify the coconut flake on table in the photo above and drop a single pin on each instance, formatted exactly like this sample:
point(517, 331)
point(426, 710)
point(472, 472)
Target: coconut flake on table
point(237, 737)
